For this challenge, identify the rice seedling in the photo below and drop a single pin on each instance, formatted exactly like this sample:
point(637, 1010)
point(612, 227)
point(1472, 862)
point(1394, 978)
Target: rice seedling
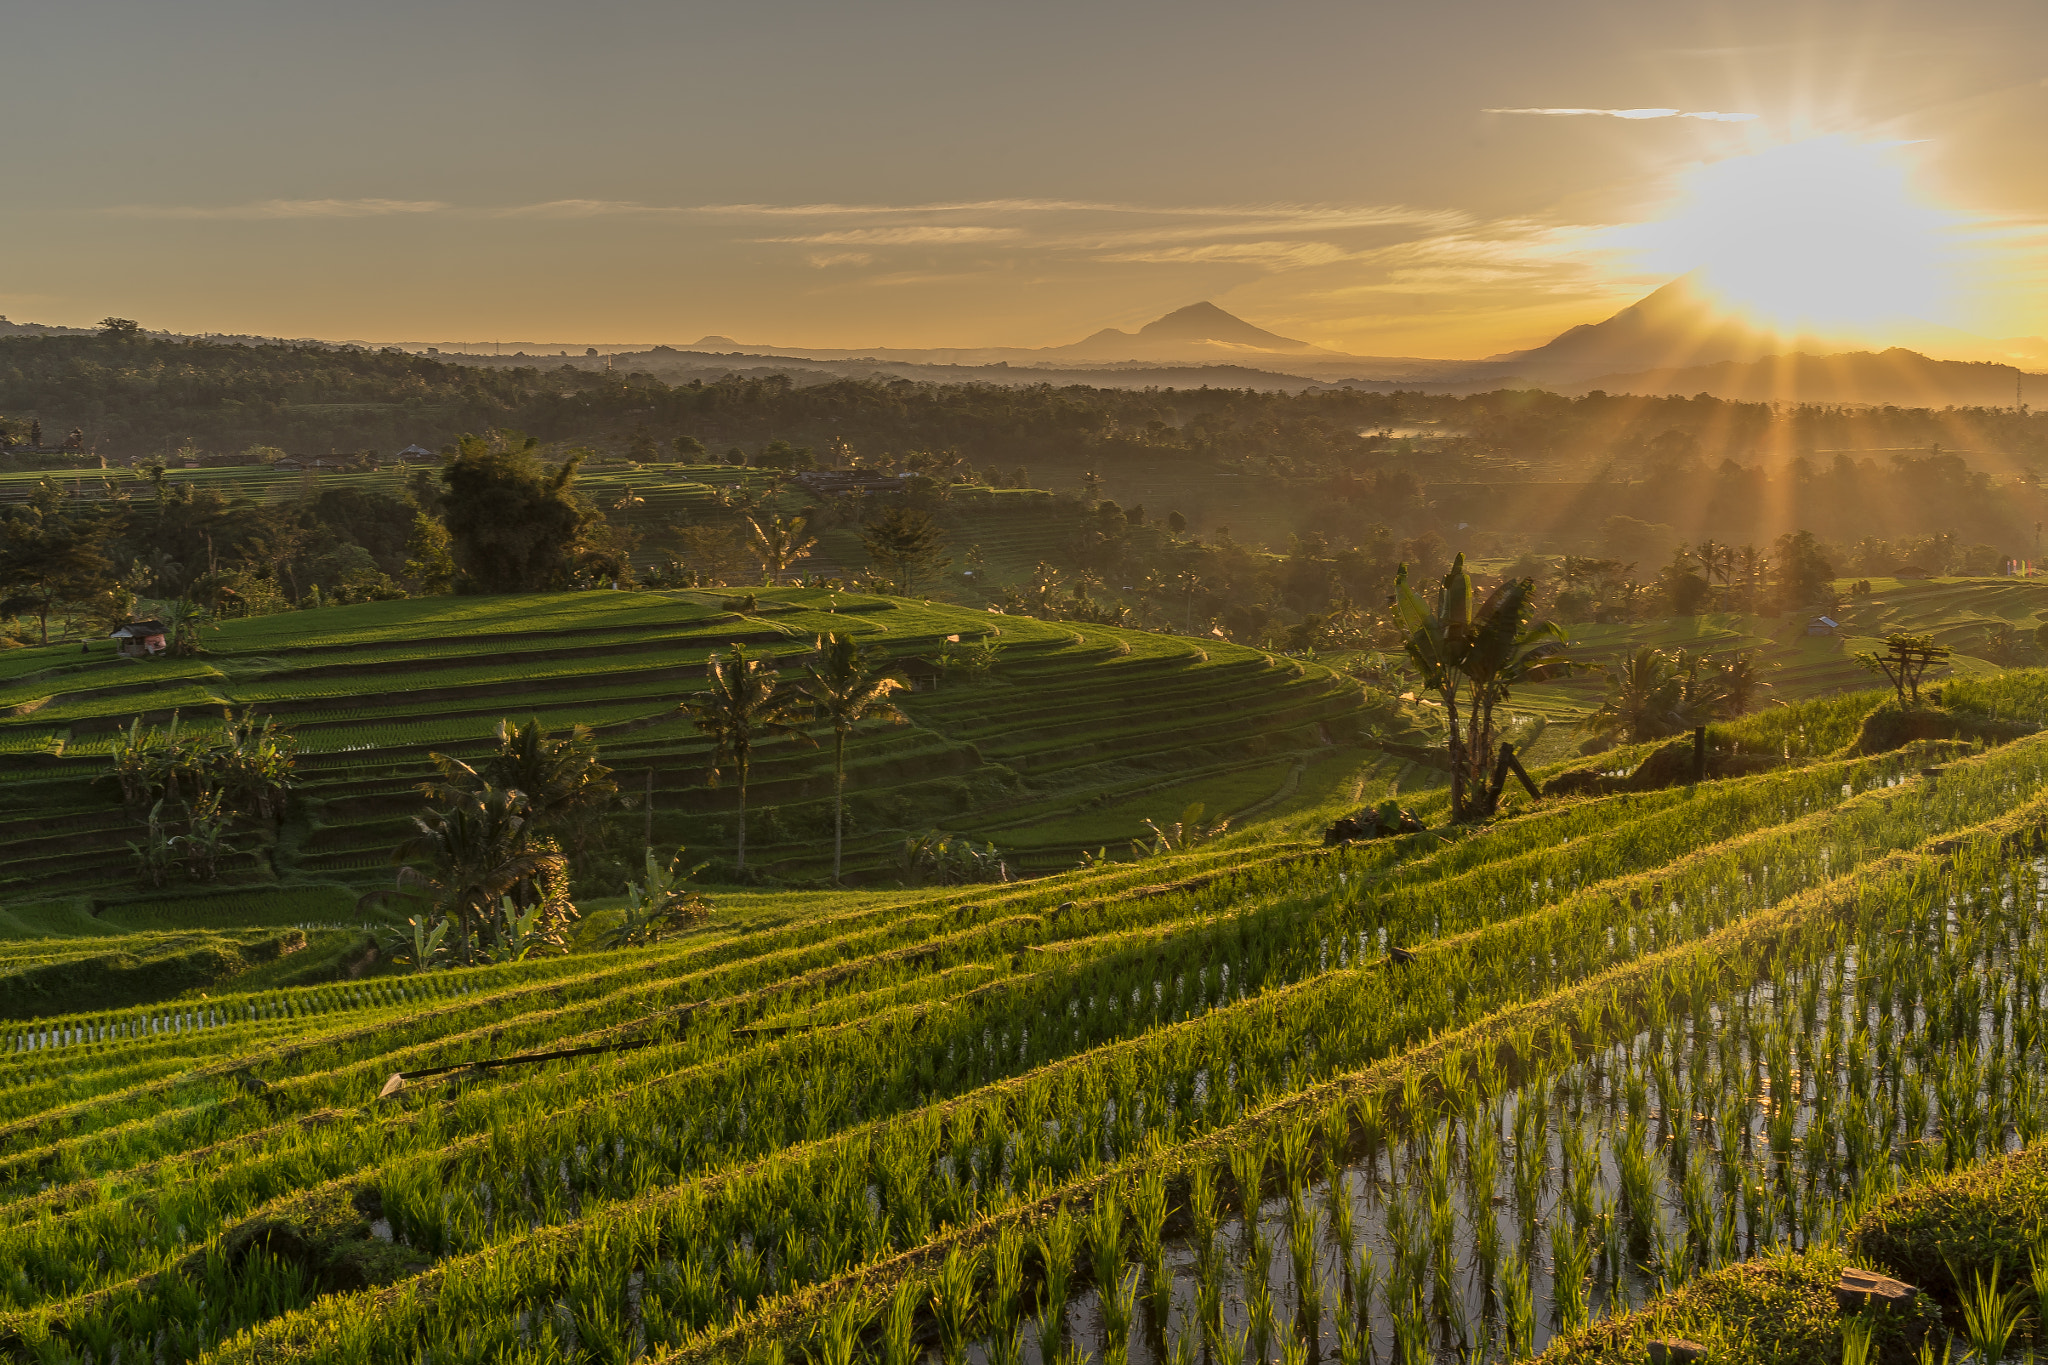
point(1991, 1314)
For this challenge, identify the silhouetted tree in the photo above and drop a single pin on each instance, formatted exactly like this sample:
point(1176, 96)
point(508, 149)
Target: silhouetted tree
point(745, 702)
point(905, 542)
point(841, 689)
point(512, 521)
point(1472, 658)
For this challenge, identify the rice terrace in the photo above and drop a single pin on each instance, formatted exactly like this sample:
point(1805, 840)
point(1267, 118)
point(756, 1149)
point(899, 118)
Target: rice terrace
point(1599, 1068)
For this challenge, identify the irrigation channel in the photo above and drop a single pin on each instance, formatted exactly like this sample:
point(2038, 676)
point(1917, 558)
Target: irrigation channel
point(1580, 1175)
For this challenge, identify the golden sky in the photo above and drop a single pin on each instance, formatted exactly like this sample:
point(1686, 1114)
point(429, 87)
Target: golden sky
point(1453, 179)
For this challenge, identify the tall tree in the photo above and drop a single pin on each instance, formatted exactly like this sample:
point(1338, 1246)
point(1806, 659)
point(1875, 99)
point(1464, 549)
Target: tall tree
point(513, 522)
point(567, 790)
point(905, 542)
point(1805, 577)
point(780, 544)
point(1472, 658)
point(468, 859)
point(429, 556)
point(746, 702)
point(1651, 694)
point(49, 554)
point(841, 689)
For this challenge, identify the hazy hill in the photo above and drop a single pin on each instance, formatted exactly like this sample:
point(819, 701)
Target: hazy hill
point(1674, 326)
point(1896, 376)
point(37, 329)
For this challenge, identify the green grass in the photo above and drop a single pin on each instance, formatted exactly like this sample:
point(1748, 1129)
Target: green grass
point(834, 1096)
point(870, 1044)
point(1071, 715)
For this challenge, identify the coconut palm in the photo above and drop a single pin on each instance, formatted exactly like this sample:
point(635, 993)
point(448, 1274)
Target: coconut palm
point(1651, 694)
point(471, 857)
point(780, 544)
point(1472, 658)
point(1716, 561)
point(841, 689)
point(1736, 680)
point(567, 790)
point(745, 702)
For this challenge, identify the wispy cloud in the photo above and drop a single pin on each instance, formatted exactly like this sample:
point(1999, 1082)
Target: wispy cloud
point(925, 234)
point(1271, 254)
point(1709, 115)
point(826, 260)
point(274, 209)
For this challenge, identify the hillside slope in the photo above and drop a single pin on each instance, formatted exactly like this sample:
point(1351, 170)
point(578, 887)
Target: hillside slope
point(1069, 722)
point(1463, 1087)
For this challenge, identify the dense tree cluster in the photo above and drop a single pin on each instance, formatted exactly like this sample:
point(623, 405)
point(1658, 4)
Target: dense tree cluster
point(1273, 517)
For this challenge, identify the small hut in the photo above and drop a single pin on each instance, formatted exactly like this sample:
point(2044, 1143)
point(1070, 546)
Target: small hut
point(140, 639)
point(1823, 625)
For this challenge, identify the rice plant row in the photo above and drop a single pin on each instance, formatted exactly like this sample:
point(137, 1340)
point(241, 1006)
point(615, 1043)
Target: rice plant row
point(1545, 1166)
point(999, 1147)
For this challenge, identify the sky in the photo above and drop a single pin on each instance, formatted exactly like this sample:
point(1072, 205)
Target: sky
point(1451, 179)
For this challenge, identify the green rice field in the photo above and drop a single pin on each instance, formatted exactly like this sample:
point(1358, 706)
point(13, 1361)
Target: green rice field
point(1599, 1071)
point(1073, 738)
point(1545, 1085)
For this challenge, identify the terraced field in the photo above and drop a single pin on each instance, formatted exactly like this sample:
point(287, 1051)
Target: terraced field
point(1956, 612)
point(1071, 720)
point(1453, 1092)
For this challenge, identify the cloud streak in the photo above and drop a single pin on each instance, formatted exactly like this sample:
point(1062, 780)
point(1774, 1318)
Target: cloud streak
point(283, 209)
point(1707, 115)
point(926, 234)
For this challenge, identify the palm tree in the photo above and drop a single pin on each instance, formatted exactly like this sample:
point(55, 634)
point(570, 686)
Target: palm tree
point(745, 702)
point(565, 787)
point(841, 689)
point(475, 853)
point(183, 620)
point(1716, 561)
point(780, 544)
point(1736, 680)
point(1754, 564)
point(1189, 583)
point(1472, 659)
point(1647, 698)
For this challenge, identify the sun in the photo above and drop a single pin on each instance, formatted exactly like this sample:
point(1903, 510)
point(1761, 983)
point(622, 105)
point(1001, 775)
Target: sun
point(1824, 237)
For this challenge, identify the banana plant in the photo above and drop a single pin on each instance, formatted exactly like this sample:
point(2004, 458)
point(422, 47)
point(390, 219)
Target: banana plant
point(1472, 657)
point(426, 943)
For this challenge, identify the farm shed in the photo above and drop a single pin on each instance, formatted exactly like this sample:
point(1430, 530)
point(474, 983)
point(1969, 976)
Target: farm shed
point(1823, 625)
point(140, 639)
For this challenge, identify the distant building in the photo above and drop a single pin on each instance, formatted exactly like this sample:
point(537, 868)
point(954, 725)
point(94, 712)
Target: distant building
point(417, 455)
point(140, 639)
point(1823, 625)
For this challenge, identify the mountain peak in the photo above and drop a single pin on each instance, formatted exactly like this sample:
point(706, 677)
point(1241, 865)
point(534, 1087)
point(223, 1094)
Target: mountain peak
point(1675, 325)
point(1204, 321)
point(1198, 331)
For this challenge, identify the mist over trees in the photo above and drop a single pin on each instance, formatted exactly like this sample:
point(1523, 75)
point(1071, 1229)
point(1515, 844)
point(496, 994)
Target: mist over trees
point(1270, 517)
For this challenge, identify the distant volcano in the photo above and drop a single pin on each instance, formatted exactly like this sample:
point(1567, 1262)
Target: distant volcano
point(1198, 332)
point(1675, 327)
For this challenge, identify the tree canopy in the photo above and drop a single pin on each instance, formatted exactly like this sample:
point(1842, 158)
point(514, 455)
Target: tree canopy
point(514, 523)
